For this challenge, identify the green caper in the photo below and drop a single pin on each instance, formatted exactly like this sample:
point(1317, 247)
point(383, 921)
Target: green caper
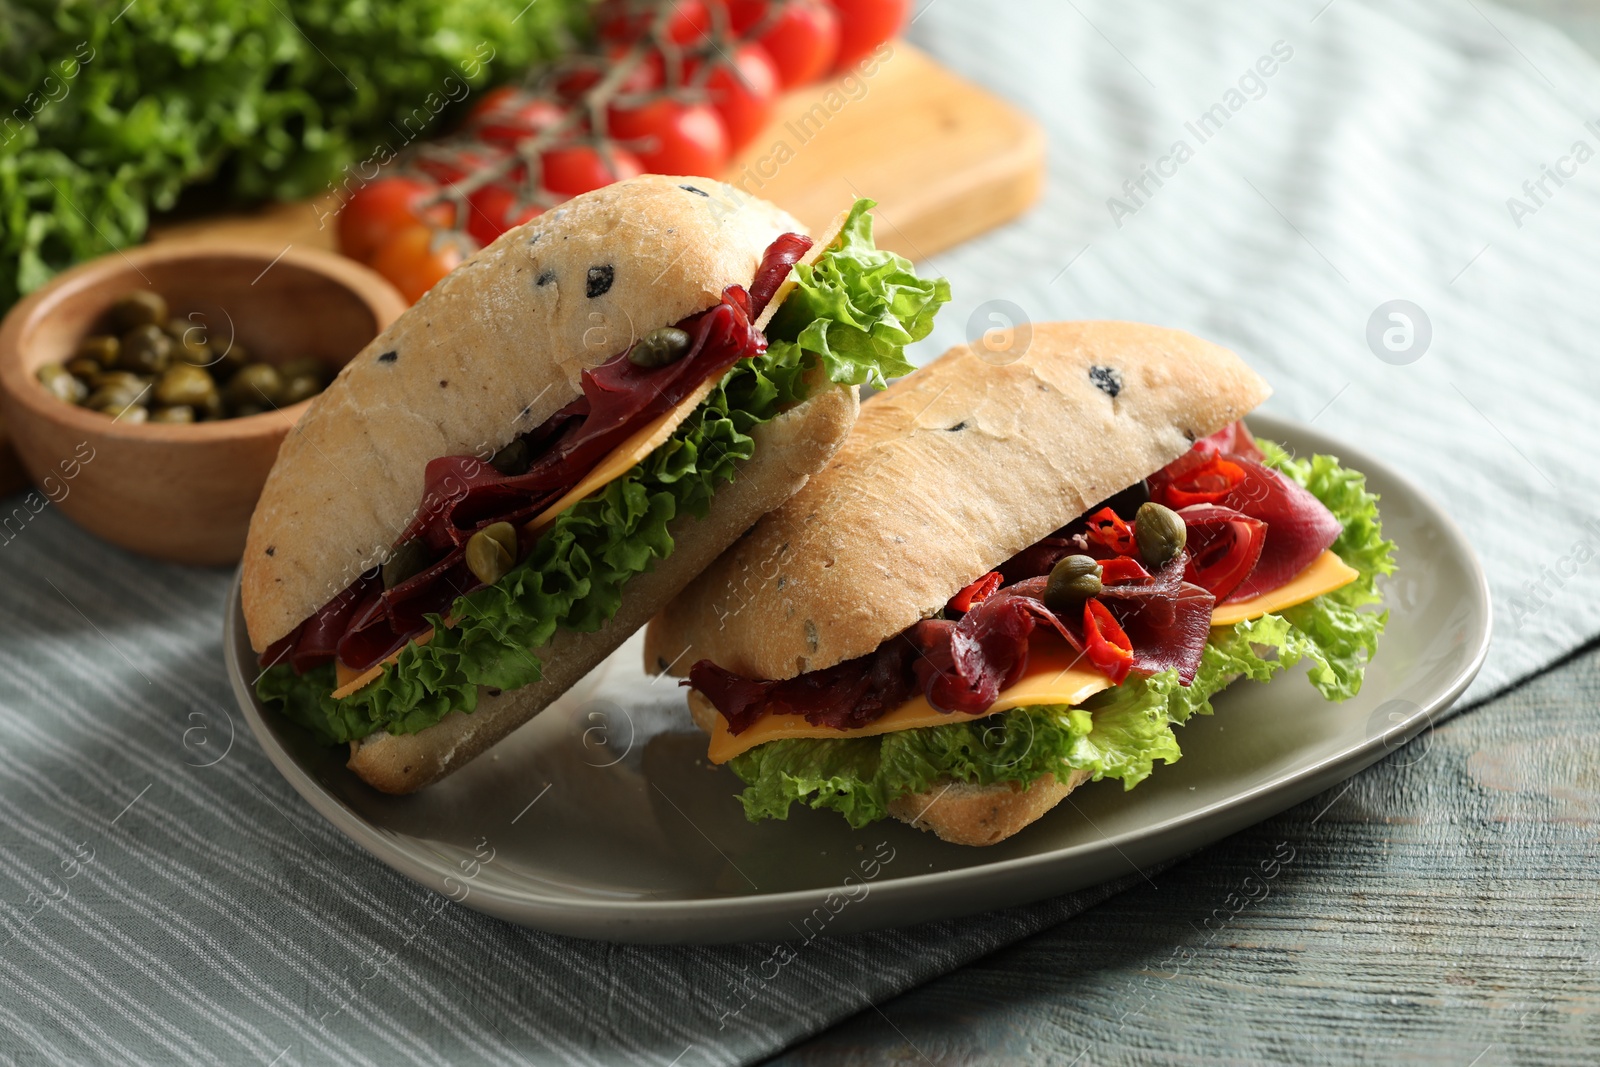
point(225, 364)
point(1072, 581)
point(304, 367)
point(140, 308)
point(407, 561)
point(177, 413)
point(211, 408)
point(116, 394)
point(134, 413)
point(189, 343)
point(85, 370)
point(491, 552)
point(183, 385)
point(512, 459)
point(300, 387)
point(1160, 531)
point(120, 379)
point(259, 384)
point(57, 379)
point(146, 349)
point(102, 348)
point(659, 347)
point(244, 411)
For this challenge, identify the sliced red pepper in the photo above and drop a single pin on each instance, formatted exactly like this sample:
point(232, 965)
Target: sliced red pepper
point(1105, 642)
point(1223, 546)
point(1186, 482)
point(976, 593)
point(1109, 531)
point(1121, 569)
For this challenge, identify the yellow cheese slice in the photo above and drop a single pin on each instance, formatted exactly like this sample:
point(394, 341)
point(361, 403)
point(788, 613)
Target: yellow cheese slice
point(1055, 675)
point(1325, 574)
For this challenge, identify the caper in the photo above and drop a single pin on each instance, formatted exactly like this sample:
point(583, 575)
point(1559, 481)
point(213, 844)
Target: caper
point(668, 344)
point(146, 349)
point(512, 459)
point(141, 308)
point(244, 411)
point(177, 413)
point(407, 561)
point(304, 367)
point(1072, 581)
point(300, 387)
point(120, 379)
point(1160, 531)
point(85, 370)
point(190, 343)
point(491, 552)
point(132, 413)
point(225, 364)
point(183, 385)
point(113, 396)
point(102, 348)
point(259, 384)
point(119, 405)
point(56, 378)
point(211, 408)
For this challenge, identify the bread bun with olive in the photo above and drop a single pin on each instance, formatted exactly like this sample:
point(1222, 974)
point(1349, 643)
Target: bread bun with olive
point(918, 631)
point(527, 464)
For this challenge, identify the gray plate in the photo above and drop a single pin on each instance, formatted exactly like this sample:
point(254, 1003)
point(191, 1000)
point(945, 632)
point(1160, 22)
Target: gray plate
point(602, 819)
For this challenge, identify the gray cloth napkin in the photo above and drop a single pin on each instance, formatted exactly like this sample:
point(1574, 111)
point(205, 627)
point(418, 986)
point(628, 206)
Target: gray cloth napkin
point(158, 909)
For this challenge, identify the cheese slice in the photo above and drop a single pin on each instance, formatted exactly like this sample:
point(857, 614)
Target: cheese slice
point(1055, 675)
point(1324, 574)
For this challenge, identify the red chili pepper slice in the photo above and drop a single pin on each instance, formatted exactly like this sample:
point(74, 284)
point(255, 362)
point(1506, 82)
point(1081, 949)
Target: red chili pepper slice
point(1105, 642)
point(1223, 545)
point(1121, 569)
point(976, 593)
point(1206, 483)
point(1107, 529)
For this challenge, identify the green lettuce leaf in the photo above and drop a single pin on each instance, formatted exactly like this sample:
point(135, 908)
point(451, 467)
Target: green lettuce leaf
point(858, 307)
point(1119, 733)
point(573, 579)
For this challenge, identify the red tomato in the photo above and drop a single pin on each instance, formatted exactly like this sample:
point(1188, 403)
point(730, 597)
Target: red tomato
point(570, 171)
point(674, 138)
point(864, 25)
point(417, 257)
point(494, 209)
point(648, 75)
point(379, 210)
point(744, 93)
point(802, 40)
point(508, 118)
point(621, 21)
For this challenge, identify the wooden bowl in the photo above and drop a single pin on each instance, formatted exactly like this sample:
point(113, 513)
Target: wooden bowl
point(177, 492)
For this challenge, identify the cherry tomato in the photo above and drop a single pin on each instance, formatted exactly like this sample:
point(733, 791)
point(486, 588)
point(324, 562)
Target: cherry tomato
point(494, 209)
point(864, 25)
point(674, 138)
point(382, 208)
point(417, 257)
point(509, 118)
point(621, 21)
point(648, 75)
point(802, 39)
point(744, 93)
point(570, 171)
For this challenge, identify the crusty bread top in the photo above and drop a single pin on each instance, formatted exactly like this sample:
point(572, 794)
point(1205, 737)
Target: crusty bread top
point(490, 352)
point(948, 473)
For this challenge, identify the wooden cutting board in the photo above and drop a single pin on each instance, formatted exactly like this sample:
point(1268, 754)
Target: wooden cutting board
point(945, 160)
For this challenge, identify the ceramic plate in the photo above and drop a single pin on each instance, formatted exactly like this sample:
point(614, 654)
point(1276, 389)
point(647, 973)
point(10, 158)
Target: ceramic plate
point(601, 817)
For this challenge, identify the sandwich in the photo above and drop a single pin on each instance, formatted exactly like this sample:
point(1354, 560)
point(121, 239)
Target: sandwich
point(531, 461)
point(1015, 579)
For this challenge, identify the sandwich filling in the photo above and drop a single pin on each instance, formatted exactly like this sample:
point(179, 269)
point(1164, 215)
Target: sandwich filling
point(436, 632)
point(1280, 555)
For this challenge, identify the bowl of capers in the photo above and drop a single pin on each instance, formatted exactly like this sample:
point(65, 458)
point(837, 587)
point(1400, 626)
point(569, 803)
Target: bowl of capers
point(153, 387)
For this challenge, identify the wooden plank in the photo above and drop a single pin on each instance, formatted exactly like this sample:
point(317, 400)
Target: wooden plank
point(944, 159)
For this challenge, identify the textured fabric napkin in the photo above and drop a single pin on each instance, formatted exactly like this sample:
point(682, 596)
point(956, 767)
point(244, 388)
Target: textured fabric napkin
point(160, 909)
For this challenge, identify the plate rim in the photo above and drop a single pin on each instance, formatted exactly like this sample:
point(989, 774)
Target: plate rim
point(638, 915)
